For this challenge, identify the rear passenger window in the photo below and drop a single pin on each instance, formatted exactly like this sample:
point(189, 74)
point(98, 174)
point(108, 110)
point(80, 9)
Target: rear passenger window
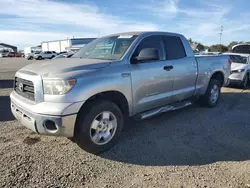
point(174, 48)
point(151, 42)
point(48, 52)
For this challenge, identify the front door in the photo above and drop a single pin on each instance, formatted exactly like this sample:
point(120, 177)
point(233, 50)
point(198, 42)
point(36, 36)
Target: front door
point(152, 81)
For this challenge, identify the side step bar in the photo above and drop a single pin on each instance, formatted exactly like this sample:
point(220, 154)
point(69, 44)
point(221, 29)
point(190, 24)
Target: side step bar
point(162, 109)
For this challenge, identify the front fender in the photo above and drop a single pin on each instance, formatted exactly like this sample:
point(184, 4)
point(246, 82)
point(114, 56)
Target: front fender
point(92, 85)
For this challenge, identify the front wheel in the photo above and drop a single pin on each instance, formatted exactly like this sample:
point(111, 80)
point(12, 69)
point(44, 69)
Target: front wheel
point(98, 126)
point(245, 82)
point(212, 95)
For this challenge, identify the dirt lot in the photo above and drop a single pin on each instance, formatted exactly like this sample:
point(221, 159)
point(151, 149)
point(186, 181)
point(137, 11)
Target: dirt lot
point(192, 147)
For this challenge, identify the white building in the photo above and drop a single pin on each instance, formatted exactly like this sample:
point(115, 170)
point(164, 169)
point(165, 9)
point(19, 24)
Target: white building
point(65, 45)
point(32, 49)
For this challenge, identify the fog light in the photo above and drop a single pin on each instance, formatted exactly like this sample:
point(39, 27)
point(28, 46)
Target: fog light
point(50, 125)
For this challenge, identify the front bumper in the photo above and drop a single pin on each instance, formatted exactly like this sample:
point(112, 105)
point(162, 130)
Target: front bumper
point(237, 76)
point(27, 56)
point(64, 123)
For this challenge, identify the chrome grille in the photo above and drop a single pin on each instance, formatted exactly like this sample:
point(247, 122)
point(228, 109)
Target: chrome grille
point(25, 88)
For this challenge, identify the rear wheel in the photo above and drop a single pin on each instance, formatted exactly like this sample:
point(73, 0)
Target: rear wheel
point(40, 58)
point(212, 95)
point(31, 57)
point(99, 126)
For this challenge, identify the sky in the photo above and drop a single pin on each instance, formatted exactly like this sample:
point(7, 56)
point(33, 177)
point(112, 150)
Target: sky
point(29, 22)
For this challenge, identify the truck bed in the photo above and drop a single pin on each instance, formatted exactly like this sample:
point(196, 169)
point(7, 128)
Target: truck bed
point(209, 64)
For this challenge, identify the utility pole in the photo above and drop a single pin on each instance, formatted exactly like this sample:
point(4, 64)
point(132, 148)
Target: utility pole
point(221, 30)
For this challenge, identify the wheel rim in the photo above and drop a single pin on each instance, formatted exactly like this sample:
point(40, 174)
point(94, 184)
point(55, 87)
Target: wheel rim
point(103, 128)
point(214, 94)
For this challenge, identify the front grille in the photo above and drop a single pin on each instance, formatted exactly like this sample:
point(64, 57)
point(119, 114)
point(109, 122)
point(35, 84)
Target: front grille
point(25, 88)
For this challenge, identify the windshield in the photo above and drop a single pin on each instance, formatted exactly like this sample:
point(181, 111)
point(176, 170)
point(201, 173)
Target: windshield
point(107, 48)
point(238, 59)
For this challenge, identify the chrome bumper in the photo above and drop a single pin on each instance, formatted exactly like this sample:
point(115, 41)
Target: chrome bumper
point(35, 116)
point(36, 122)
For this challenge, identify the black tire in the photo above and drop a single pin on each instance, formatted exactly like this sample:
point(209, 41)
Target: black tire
point(52, 57)
point(245, 82)
point(31, 58)
point(206, 99)
point(86, 116)
point(40, 58)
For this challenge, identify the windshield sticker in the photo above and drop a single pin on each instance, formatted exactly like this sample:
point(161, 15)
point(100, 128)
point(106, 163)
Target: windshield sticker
point(125, 36)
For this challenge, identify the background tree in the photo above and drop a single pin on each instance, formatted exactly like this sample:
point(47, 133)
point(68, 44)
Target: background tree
point(218, 48)
point(190, 40)
point(232, 44)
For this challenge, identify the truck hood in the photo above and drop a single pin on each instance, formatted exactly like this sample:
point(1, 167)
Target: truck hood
point(237, 66)
point(49, 68)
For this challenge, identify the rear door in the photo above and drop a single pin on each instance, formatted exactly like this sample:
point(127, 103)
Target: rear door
point(48, 54)
point(185, 68)
point(151, 83)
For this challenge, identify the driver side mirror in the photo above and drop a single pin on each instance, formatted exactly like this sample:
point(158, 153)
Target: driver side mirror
point(147, 54)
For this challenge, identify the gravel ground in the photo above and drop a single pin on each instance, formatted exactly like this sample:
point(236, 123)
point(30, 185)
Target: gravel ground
point(192, 147)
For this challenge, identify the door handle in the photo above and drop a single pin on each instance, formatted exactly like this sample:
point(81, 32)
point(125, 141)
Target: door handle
point(168, 67)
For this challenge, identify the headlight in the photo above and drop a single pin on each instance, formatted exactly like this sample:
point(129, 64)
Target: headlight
point(238, 71)
point(58, 87)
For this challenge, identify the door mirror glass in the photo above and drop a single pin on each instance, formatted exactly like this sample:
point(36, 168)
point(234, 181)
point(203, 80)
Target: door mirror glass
point(148, 54)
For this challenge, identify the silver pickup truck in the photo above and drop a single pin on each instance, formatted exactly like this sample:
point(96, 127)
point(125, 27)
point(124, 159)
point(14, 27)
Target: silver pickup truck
point(87, 97)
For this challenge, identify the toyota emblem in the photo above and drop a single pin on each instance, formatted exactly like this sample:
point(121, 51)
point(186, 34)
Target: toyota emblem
point(20, 87)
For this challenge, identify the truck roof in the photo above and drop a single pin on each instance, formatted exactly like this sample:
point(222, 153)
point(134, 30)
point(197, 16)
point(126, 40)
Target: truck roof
point(144, 32)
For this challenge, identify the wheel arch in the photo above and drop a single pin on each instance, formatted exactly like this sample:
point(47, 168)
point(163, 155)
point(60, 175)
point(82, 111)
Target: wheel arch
point(114, 96)
point(218, 75)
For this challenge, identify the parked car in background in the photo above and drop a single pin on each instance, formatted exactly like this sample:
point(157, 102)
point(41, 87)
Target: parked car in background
point(210, 53)
point(239, 69)
point(45, 55)
point(64, 52)
point(30, 56)
point(19, 55)
point(11, 54)
point(136, 74)
point(31, 50)
point(64, 55)
point(4, 53)
point(241, 48)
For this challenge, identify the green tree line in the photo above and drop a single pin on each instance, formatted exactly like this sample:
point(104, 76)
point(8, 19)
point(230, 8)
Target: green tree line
point(216, 47)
